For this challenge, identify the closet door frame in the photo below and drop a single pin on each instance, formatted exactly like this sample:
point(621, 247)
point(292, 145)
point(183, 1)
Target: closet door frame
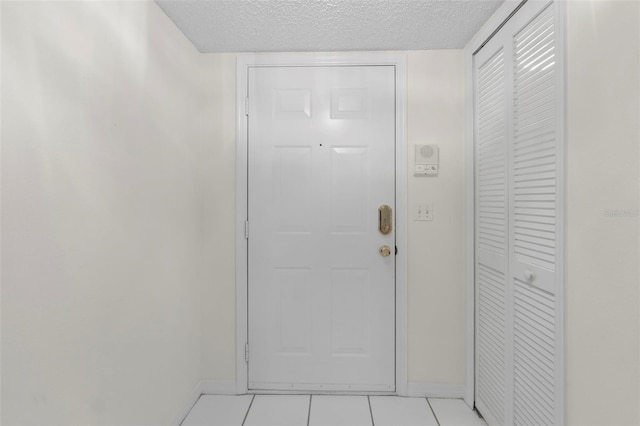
point(493, 25)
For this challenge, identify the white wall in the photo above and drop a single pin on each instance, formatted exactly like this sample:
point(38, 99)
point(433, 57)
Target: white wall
point(118, 157)
point(101, 214)
point(435, 289)
point(603, 256)
point(218, 298)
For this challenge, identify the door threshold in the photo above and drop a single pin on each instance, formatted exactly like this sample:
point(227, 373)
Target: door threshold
point(319, 392)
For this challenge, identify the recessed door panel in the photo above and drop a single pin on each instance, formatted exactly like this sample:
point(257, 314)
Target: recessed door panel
point(348, 170)
point(294, 310)
point(292, 103)
point(349, 103)
point(292, 187)
point(350, 312)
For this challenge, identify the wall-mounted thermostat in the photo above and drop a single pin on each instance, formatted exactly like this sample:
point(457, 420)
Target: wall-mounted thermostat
point(426, 160)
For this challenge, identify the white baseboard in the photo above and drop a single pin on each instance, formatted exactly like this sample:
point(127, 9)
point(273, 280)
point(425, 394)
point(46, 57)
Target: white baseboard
point(205, 387)
point(436, 390)
point(215, 387)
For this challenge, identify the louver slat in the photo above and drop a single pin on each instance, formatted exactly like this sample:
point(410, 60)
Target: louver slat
point(534, 356)
point(534, 152)
point(491, 154)
point(491, 341)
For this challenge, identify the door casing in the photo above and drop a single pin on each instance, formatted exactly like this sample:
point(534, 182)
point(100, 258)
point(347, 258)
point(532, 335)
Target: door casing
point(244, 62)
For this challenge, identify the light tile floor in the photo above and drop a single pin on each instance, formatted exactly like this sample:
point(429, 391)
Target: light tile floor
point(325, 410)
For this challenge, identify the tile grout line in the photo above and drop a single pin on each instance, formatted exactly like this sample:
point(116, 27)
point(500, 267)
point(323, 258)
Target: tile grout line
point(248, 409)
point(309, 412)
point(433, 412)
point(373, 422)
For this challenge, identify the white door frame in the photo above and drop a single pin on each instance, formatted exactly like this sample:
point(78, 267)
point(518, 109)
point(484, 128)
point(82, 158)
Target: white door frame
point(244, 62)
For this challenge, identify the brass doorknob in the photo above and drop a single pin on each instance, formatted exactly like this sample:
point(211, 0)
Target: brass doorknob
point(384, 251)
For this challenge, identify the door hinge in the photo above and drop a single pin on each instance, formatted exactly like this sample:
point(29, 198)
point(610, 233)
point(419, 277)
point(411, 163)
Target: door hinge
point(246, 106)
point(396, 250)
point(246, 352)
point(246, 229)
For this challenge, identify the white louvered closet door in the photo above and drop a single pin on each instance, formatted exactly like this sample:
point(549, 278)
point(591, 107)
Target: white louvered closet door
point(491, 230)
point(536, 218)
point(530, 346)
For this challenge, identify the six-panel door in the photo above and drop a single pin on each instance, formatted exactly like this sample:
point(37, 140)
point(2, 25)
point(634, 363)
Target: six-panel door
point(321, 163)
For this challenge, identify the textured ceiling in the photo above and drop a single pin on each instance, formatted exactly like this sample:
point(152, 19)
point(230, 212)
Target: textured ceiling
point(328, 25)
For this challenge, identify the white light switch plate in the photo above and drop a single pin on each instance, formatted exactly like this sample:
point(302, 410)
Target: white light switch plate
point(423, 212)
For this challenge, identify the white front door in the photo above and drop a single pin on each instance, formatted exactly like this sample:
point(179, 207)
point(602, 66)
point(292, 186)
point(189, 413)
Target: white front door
point(321, 153)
